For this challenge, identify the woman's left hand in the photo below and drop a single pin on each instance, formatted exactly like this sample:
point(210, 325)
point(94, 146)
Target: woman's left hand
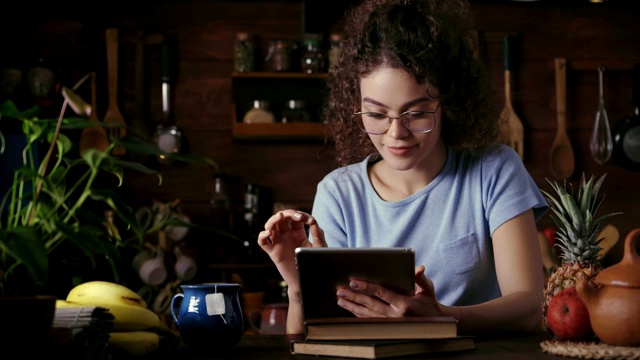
point(365, 299)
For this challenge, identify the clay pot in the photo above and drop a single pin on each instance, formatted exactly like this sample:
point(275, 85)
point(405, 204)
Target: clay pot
point(613, 297)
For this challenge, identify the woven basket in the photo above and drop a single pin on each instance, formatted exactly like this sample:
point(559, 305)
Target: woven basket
point(589, 350)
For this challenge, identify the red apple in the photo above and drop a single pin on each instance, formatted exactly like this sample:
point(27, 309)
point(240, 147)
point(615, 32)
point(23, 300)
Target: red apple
point(568, 317)
point(550, 234)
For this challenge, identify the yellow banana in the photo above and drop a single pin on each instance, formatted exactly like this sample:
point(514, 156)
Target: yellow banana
point(68, 304)
point(134, 342)
point(125, 317)
point(105, 293)
point(133, 318)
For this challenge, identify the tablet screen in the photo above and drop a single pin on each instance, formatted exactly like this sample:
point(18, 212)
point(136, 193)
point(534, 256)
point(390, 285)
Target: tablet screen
point(323, 270)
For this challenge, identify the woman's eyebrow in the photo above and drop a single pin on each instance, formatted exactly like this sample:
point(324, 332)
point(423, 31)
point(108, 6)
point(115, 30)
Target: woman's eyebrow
point(413, 102)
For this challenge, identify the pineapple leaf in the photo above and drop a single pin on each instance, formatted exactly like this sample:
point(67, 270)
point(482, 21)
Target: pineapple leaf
point(569, 204)
point(573, 211)
point(585, 195)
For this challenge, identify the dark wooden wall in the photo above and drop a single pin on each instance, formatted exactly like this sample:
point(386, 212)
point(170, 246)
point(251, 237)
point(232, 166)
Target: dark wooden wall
point(71, 36)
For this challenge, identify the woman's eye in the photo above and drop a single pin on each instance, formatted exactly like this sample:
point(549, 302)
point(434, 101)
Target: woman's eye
point(377, 116)
point(414, 115)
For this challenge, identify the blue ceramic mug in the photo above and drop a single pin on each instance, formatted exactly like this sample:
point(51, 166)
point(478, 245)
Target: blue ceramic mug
point(209, 315)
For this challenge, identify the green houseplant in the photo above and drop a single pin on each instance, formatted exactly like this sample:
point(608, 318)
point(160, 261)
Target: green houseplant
point(49, 208)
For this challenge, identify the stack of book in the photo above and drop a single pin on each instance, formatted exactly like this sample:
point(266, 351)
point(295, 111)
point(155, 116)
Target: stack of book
point(377, 338)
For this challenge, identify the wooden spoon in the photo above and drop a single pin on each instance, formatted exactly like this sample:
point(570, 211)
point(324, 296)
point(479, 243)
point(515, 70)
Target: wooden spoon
point(95, 136)
point(562, 159)
point(610, 235)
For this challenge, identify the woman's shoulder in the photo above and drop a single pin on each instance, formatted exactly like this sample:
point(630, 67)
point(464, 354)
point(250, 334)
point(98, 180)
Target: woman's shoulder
point(495, 156)
point(349, 172)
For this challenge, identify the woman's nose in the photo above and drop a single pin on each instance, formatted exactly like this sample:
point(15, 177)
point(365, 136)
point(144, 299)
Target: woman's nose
point(397, 129)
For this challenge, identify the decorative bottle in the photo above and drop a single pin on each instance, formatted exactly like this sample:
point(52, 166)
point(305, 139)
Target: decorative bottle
point(243, 54)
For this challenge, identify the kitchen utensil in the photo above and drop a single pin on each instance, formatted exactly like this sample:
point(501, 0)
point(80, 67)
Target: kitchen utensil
point(515, 124)
point(168, 136)
point(626, 132)
point(139, 121)
point(610, 235)
point(601, 142)
point(113, 115)
point(93, 137)
point(562, 158)
point(77, 104)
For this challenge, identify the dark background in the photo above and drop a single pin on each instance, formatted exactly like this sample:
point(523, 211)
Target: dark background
point(69, 36)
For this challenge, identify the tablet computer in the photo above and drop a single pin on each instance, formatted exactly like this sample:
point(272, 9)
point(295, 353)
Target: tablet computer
point(322, 271)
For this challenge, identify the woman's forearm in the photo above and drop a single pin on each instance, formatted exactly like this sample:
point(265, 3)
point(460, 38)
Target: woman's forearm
point(517, 312)
point(295, 322)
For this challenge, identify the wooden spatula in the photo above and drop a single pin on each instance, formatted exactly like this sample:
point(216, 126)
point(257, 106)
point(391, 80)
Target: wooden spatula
point(514, 123)
point(113, 114)
point(93, 137)
point(562, 158)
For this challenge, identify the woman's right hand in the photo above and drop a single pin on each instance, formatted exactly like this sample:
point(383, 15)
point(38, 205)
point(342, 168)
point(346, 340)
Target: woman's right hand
point(284, 232)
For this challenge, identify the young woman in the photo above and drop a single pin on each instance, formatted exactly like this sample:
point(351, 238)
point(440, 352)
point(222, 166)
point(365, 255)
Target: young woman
point(417, 136)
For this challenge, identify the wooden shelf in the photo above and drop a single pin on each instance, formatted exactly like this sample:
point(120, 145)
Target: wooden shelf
point(277, 88)
point(279, 131)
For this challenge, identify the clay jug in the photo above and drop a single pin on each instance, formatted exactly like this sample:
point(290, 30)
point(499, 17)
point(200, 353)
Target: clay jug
point(613, 297)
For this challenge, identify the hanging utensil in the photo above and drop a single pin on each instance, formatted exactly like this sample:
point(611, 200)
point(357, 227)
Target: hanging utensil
point(514, 123)
point(167, 136)
point(113, 114)
point(601, 142)
point(626, 132)
point(95, 136)
point(562, 158)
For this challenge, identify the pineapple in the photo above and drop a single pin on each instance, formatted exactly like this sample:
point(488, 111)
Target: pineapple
point(576, 236)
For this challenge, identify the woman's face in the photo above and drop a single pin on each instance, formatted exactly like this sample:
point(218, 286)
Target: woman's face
point(391, 92)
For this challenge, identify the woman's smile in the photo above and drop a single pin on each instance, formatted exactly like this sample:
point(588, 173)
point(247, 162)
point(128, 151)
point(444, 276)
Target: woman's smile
point(400, 150)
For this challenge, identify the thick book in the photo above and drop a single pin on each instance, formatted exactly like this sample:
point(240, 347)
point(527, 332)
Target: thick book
point(390, 328)
point(378, 349)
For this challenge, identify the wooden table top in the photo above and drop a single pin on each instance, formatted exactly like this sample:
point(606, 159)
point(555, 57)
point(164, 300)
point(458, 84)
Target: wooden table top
point(271, 347)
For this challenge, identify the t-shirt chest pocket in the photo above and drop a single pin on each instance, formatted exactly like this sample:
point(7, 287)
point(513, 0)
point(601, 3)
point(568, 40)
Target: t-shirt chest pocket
point(461, 254)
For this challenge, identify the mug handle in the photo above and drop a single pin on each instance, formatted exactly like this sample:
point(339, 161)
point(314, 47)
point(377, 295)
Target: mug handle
point(175, 305)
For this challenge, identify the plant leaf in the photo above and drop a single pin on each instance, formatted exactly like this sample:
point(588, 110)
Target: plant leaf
point(25, 245)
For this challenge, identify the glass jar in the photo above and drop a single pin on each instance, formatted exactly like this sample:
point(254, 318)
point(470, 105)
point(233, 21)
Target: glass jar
point(335, 48)
point(311, 60)
point(243, 54)
point(259, 114)
point(279, 56)
point(295, 112)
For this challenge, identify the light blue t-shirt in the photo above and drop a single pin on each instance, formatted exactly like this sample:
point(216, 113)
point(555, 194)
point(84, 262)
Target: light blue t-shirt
point(448, 223)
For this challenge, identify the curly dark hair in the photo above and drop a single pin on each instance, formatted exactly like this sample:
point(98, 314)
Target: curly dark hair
point(432, 40)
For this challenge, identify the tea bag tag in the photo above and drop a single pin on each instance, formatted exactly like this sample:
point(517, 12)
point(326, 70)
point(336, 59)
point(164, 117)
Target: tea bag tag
point(215, 304)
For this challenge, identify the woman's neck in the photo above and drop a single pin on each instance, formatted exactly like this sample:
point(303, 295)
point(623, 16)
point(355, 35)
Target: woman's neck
point(395, 185)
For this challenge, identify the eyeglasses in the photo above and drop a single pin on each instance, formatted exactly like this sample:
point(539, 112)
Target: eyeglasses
point(420, 122)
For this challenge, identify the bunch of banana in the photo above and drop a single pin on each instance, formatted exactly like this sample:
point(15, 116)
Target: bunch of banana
point(136, 330)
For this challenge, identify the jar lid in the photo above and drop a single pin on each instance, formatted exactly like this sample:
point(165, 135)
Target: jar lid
point(260, 104)
point(295, 104)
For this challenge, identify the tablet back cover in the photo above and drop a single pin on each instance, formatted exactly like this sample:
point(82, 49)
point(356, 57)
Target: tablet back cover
point(323, 270)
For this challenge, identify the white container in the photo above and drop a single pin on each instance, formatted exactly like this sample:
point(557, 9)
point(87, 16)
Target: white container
point(259, 114)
